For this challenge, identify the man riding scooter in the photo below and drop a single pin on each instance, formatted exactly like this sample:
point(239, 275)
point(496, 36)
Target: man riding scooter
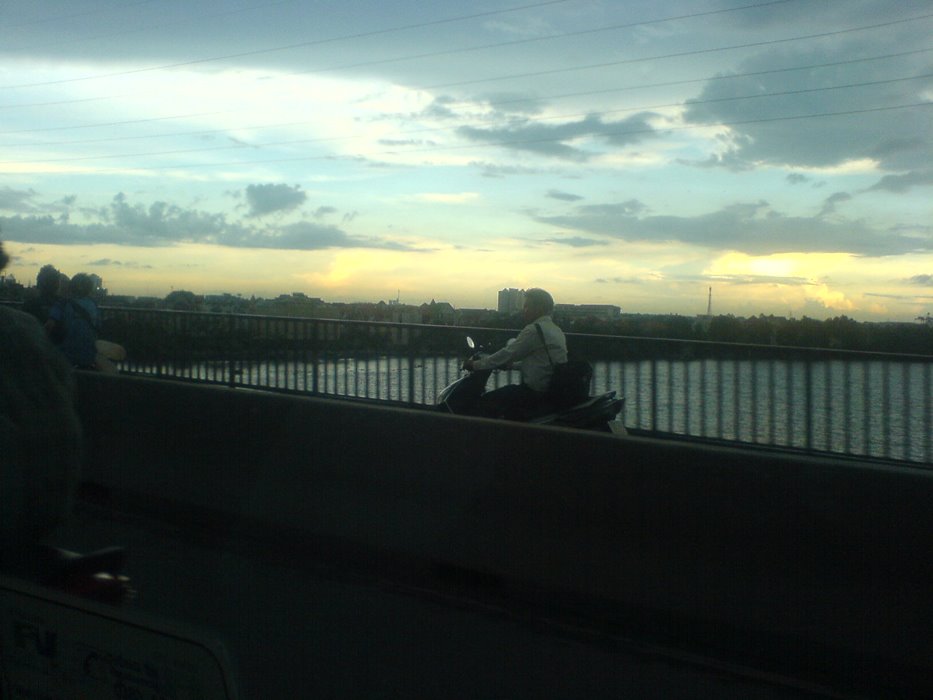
point(538, 348)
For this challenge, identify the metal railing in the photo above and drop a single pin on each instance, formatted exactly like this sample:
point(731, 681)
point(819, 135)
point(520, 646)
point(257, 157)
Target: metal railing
point(876, 405)
point(863, 404)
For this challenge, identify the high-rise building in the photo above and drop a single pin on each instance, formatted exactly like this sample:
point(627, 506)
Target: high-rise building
point(511, 300)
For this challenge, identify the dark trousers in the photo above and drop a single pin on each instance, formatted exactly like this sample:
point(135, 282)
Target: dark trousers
point(512, 401)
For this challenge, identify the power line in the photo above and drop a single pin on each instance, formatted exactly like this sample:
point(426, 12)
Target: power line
point(730, 76)
point(286, 47)
point(121, 123)
point(680, 54)
point(146, 28)
point(75, 15)
point(496, 103)
point(523, 142)
point(550, 37)
point(641, 108)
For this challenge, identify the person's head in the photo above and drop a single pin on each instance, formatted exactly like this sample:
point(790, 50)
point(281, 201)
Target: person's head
point(538, 303)
point(81, 286)
point(64, 285)
point(47, 280)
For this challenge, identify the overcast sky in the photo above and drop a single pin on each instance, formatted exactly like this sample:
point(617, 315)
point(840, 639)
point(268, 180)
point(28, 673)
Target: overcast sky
point(619, 152)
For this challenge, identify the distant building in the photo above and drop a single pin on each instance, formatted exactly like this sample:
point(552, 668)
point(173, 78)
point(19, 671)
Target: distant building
point(511, 301)
point(474, 317)
point(601, 312)
point(438, 313)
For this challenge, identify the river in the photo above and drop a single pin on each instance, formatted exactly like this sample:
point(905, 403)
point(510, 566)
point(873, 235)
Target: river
point(875, 408)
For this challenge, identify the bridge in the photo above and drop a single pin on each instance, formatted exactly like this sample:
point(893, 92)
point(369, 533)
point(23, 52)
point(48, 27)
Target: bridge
point(363, 547)
point(817, 401)
point(345, 549)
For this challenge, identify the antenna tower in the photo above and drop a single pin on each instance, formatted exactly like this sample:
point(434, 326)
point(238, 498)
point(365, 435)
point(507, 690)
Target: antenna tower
point(709, 303)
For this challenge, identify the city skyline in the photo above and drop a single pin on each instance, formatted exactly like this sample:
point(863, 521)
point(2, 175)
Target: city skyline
point(628, 154)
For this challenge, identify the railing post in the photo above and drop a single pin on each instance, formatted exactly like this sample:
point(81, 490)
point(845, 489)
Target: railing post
point(654, 393)
point(231, 362)
point(809, 402)
point(411, 377)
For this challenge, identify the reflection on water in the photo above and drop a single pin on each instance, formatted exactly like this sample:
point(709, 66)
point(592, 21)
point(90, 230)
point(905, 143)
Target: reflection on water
point(871, 408)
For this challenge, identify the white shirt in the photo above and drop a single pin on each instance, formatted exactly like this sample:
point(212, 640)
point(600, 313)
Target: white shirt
point(529, 352)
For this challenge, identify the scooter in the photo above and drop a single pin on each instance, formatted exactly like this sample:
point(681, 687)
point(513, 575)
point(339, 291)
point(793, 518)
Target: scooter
point(461, 397)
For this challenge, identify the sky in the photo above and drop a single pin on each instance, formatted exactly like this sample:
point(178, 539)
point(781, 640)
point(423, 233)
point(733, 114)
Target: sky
point(634, 153)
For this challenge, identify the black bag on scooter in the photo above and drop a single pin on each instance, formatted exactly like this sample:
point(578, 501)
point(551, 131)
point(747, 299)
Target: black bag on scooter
point(570, 381)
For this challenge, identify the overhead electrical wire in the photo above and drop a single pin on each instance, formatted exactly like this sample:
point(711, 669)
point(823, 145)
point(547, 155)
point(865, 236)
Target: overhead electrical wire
point(124, 32)
point(537, 39)
point(599, 113)
point(75, 15)
point(679, 54)
point(490, 142)
point(302, 44)
point(502, 102)
point(476, 81)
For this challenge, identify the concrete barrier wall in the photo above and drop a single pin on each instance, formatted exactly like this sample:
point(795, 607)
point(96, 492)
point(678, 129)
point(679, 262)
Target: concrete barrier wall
point(829, 554)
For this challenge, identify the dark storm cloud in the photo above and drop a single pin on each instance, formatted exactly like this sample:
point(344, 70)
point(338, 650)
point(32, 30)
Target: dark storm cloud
point(270, 199)
point(900, 184)
point(165, 224)
point(775, 116)
point(549, 139)
point(752, 228)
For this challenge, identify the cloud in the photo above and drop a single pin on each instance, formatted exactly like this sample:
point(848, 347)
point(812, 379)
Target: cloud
point(753, 228)
point(740, 280)
point(269, 199)
point(763, 108)
point(901, 297)
point(20, 201)
point(303, 235)
point(730, 160)
point(618, 280)
point(900, 184)
point(796, 178)
point(563, 196)
point(829, 204)
point(392, 143)
point(552, 139)
point(165, 224)
point(577, 241)
point(922, 280)
point(499, 171)
point(321, 212)
point(107, 262)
